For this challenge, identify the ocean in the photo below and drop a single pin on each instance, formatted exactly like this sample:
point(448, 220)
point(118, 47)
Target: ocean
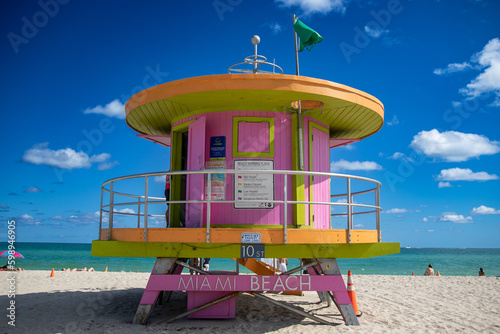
point(448, 261)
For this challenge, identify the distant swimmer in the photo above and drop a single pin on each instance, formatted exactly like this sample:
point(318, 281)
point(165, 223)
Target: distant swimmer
point(429, 271)
point(481, 272)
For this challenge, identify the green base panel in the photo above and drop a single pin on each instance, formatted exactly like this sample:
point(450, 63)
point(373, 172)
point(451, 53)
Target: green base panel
point(212, 250)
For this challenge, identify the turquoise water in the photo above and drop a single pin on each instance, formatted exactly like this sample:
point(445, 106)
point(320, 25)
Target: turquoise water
point(449, 261)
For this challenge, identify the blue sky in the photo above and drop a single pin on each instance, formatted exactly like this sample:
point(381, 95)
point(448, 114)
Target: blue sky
point(68, 67)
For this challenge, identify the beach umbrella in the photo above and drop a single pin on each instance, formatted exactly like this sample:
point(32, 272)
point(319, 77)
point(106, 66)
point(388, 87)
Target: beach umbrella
point(7, 253)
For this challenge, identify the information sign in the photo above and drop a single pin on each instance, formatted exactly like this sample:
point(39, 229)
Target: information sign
point(254, 187)
point(251, 237)
point(217, 181)
point(218, 148)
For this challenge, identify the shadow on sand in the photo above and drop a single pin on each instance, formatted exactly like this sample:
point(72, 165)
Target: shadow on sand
point(112, 311)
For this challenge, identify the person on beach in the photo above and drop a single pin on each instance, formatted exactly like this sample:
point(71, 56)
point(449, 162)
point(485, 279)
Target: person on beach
point(9, 268)
point(206, 264)
point(194, 262)
point(282, 264)
point(76, 269)
point(429, 271)
point(481, 272)
point(167, 198)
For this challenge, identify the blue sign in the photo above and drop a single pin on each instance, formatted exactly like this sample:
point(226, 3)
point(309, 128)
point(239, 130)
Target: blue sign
point(218, 147)
point(251, 238)
point(253, 251)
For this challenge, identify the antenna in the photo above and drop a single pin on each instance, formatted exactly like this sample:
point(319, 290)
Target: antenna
point(254, 60)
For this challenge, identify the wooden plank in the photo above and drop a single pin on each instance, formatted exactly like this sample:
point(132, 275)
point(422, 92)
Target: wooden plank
point(233, 235)
point(217, 250)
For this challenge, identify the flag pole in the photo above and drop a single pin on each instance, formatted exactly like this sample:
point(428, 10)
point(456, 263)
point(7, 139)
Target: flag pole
point(301, 139)
point(296, 51)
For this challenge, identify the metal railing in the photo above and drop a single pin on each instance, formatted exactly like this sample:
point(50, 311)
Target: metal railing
point(146, 200)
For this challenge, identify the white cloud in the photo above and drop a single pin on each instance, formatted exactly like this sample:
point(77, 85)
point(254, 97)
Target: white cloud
point(343, 200)
point(83, 219)
point(107, 165)
point(113, 109)
point(41, 154)
point(275, 28)
point(393, 121)
point(453, 146)
point(430, 231)
point(425, 219)
point(454, 218)
point(375, 31)
point(397, 155)
point(159, 179)
point(354, 165)
point(156, 221)
point(452, 68)
point(444, 185)
point(33, 190)
point(496, 102)
point(400, 156)
point(484, 210)
point(26, 219)
point(309, 7)
point(125, 210)
point(396, 210)
point(489, 80)
point(464, 174)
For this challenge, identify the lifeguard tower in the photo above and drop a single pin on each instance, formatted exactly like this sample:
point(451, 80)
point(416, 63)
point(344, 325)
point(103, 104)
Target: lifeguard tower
point(250, 171)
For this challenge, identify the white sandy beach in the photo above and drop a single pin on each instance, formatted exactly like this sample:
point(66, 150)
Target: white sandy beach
point(97, 302)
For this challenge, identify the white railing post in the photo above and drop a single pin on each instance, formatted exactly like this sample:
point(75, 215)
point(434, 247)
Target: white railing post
point(138, 212)
point(100, 216)
point(285, 213)
point(146, 209)
point(352, 213)
point(349, 210)
point(330, 206)
point(377, 214)
point(111, 208)
point(209, 200)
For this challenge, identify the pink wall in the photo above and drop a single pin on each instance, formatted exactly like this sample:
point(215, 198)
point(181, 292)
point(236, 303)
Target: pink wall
point(221, 124)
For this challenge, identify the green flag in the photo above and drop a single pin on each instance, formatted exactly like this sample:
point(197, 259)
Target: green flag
point(308, 37)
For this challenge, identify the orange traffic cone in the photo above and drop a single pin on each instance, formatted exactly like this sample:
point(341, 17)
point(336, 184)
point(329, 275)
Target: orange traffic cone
point(52, 273)
point(352, 294)
point(106, 270)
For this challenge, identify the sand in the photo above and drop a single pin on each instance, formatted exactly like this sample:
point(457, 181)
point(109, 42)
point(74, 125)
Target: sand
point(97, 302)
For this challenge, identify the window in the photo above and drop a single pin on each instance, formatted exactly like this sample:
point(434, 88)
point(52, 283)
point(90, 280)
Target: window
point(253, 137)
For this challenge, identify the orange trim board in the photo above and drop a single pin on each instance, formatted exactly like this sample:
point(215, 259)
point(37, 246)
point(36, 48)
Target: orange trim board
point(254, 82)
point(233, 235)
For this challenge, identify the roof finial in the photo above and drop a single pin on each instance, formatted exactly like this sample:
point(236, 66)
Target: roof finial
point(255, 60)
